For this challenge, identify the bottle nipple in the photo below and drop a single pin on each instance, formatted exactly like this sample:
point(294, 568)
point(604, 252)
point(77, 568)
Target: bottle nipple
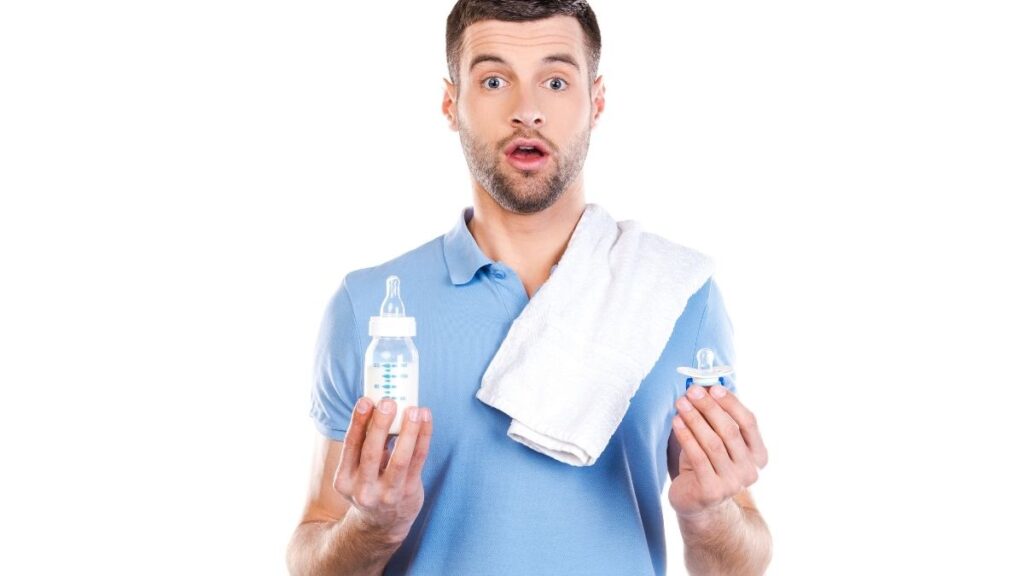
point(392, 305)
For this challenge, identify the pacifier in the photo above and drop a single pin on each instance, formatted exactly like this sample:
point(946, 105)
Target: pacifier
point(706, 373)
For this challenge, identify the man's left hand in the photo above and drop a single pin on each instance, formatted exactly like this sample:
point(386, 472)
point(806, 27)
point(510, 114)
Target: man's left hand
point(722, 450)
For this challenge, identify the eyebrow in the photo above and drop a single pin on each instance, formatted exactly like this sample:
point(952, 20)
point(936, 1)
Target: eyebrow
point(564, 58)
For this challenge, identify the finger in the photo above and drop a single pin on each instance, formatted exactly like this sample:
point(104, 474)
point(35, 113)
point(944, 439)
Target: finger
point(419, 454)
point(708, 439)
point(747, 422)
point(693, 454)
point(722, 423)
point(389, 447)
point(376, 436)
point(398, 465)
point(354, 439)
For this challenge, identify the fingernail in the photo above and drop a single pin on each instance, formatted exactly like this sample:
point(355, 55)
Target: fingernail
point(362, 406)
point(718, 391)
point(387, 406)
point(426, 415)
point(414, 414)
point(696, 392)
point(685, 405)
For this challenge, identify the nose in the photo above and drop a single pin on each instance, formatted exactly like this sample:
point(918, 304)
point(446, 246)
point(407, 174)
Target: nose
point(527, 113)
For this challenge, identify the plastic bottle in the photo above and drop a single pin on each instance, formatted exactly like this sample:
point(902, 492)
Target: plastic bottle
point(391, 366)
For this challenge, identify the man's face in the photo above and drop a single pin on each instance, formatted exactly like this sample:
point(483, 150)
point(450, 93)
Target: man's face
point(524, 109)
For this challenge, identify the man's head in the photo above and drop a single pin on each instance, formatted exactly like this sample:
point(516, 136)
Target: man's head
point(468, 12)
point(524, 95)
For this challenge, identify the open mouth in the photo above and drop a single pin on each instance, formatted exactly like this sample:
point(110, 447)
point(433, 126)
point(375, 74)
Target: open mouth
point(527, 154)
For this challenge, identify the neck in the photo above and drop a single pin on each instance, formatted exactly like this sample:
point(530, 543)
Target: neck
point(530, 244)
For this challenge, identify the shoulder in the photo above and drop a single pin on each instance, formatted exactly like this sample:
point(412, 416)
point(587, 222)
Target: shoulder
point(705, 306)
point(418, 268)
point(704, 321)
point(697, 306)
point(652, 242)
point(676, 264)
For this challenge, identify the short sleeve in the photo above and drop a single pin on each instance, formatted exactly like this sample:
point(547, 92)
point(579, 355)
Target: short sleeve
point(337, 369)
point(715, 332)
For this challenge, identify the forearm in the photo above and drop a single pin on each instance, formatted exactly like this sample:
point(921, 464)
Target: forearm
point(343, 547)
point(730, 540)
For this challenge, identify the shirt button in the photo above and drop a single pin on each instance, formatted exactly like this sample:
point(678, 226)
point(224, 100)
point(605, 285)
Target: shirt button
point(499, 274)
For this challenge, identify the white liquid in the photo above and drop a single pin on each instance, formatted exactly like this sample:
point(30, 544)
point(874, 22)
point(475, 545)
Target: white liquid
point(397, 380)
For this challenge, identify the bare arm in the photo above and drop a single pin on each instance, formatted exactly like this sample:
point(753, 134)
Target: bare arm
point(731, 540)
point(362, 502)
point(341, 547)
point(328, 540)
point(713, 456)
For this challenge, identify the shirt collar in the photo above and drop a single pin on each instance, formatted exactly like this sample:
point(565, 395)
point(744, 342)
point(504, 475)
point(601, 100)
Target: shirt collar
point(461, 252)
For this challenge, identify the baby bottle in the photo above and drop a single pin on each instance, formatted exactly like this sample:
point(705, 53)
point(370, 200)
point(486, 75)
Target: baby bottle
point(391, 367)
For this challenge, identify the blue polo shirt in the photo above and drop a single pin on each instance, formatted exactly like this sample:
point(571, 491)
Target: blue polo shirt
point(493, 506)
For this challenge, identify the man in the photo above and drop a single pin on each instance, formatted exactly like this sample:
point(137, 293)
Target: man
point(456, 495)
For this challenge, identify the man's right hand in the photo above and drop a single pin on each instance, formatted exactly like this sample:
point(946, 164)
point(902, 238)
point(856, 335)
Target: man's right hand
point(385, 498)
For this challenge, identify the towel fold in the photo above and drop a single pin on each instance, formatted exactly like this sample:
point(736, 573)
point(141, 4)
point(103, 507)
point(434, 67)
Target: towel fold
point(575, 356)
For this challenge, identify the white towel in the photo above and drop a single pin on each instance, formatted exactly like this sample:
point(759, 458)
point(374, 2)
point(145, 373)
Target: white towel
point(576, 355)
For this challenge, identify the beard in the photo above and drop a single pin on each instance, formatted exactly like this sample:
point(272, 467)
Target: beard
point(519, 191)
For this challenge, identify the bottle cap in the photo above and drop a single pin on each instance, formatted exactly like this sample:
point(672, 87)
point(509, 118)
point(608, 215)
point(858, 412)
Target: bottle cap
point(392, 326)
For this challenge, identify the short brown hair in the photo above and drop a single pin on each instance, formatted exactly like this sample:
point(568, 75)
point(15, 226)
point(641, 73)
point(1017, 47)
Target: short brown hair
point(468, 12)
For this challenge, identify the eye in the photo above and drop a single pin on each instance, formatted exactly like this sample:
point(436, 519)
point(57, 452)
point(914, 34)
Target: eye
point(558, 85)
point(492, 82)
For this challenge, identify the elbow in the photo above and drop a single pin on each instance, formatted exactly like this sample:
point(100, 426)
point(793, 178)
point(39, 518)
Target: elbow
point(292, 553)
point(298, 554)
point(761, 551)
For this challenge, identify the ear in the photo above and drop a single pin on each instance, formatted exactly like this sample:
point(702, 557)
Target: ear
point(449, 106)
point(597, 100)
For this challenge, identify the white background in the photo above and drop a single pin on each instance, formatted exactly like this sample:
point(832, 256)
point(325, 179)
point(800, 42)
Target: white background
point(185, 184)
